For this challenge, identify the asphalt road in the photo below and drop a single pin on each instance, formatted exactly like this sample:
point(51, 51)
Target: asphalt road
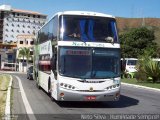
point(132, 101)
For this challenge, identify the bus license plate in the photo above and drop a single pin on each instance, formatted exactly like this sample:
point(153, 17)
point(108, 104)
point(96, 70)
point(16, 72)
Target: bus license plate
point(91, 97)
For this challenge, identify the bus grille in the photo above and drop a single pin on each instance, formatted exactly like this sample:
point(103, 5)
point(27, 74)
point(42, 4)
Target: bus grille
point(90, 91)
point(91, 81)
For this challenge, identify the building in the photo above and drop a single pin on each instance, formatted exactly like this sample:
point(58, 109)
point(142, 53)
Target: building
point(26, 41)
point(14, 23)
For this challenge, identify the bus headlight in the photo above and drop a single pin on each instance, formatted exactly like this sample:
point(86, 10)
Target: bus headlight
point(67, 86)
point(112, 87)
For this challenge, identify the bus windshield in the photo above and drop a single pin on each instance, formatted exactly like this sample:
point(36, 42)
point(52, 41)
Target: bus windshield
point(89, 63)
point(88, 29)
point(132, 62)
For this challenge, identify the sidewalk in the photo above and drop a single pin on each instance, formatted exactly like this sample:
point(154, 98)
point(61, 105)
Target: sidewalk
point(5, 92)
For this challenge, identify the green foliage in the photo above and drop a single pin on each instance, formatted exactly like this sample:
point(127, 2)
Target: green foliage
point(136, 41)
point(148, 68)
point(141, 76)
point(25, 53)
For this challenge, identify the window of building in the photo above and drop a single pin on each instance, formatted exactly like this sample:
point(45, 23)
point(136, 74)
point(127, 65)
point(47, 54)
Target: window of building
point(23, 26)
point(31, 52)
point(18, 25)
point(23, 31)
point(21, 42)
point(10, 57)
point(29, 32)
point(31, 42)
point(18, 31)
point(7, 30)
point(12, 30)
point(28, 26)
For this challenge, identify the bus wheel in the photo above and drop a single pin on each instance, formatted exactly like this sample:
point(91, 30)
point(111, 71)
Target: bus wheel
point(37, 83)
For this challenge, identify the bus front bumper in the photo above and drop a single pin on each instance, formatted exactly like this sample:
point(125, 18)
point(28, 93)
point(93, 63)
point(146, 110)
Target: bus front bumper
point(69, 95)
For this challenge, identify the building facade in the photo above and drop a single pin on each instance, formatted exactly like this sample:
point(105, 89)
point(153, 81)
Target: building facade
point(14, 23)
point(26, 41)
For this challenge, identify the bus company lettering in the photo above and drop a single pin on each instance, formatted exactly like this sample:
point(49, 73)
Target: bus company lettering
point(88, 44)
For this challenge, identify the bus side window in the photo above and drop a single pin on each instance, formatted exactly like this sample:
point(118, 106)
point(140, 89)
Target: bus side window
point(54, 62)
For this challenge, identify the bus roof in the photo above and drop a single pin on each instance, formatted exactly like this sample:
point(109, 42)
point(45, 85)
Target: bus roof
point(82, 13)
point(85, 13)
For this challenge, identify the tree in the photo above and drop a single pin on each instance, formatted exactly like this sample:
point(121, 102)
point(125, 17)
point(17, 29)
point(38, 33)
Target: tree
point(136, 41)
point(24, 53)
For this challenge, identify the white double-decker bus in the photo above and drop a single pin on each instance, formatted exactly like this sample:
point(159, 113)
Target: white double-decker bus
point(77, 57)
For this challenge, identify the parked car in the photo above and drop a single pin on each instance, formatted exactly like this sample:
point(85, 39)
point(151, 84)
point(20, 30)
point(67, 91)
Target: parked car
point(30, 73)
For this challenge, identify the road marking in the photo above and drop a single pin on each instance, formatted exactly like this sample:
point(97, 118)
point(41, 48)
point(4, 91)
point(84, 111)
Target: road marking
point(8, 102)
point(25, 101)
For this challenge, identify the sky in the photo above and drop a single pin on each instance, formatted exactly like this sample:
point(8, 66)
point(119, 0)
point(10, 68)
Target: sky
point(118, 8)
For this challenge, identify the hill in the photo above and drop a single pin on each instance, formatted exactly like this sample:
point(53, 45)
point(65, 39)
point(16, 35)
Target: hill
point(126, 23)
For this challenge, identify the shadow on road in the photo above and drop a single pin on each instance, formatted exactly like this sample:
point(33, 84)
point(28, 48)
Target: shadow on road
point(124, 101)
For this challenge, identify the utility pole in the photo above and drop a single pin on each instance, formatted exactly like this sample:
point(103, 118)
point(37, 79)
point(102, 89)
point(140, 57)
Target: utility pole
point(143, 21)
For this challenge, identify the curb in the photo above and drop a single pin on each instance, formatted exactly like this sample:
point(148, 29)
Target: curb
point(8, 102)
point(139, 86)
